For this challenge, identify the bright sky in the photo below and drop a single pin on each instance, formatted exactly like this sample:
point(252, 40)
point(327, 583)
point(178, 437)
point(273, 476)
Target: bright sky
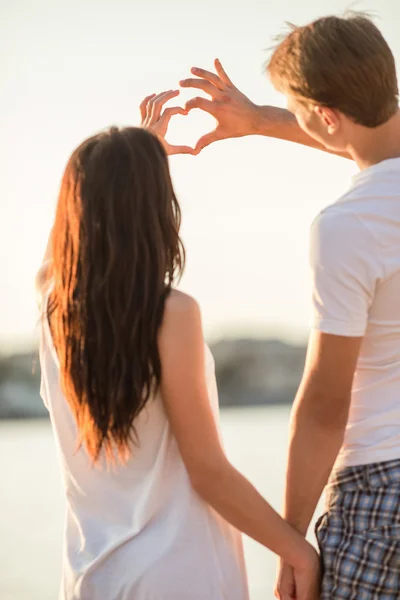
point(72, 68)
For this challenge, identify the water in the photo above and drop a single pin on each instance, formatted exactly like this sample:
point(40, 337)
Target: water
point(32, 503)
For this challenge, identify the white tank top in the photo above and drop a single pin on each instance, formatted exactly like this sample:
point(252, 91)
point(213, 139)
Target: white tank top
point(138, 531)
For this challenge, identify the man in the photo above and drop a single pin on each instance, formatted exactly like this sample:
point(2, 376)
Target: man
point(339, 77)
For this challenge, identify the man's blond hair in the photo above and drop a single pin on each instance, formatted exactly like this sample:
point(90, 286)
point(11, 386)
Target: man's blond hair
point(343, 63)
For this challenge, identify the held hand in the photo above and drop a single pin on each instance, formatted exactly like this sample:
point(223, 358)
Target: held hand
point(236, 115)
point(157, 120)
point(300, 583)
point(285, 587)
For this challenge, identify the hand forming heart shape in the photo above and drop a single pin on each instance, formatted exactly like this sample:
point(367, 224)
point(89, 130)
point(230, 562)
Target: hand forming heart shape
point(235, 114)
point(157, 120)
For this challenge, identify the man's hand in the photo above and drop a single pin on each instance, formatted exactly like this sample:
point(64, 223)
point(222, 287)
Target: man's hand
point(157, 120)
point(293, 584)
point(236, 115)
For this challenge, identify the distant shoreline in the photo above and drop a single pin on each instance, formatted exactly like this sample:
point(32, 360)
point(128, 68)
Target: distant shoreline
point(250, 372)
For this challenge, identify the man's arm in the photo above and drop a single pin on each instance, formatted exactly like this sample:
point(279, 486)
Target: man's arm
point(281, 124)
point(318, 422)
point(237, 116)
point(345, 270)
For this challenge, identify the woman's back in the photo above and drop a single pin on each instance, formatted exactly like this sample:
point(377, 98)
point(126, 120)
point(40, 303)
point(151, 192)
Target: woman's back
point(138, 531)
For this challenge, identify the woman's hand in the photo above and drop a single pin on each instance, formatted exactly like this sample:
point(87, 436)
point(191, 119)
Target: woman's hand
point(303, 582)
point(155, 118)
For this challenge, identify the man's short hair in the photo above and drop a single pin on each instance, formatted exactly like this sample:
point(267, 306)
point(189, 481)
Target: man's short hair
point(343, 63)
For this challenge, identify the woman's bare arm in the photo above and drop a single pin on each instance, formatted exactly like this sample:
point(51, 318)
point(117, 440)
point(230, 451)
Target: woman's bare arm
point(185, 395)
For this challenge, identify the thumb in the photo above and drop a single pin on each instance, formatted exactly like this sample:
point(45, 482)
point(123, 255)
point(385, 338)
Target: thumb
point(206, 140)
point(180, 150)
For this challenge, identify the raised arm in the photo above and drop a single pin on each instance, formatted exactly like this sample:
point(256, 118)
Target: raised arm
point(237, 116)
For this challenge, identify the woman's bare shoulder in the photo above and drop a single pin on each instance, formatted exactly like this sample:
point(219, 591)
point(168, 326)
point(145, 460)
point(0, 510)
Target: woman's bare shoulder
point(181, 303)
point(181, 316)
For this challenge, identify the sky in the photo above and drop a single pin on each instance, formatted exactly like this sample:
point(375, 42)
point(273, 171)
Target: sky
point(69, 69)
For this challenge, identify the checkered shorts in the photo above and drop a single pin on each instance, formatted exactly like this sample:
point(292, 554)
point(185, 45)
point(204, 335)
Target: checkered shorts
point(359, 535)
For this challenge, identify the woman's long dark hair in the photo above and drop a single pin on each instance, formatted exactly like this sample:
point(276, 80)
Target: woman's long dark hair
point(116, 253)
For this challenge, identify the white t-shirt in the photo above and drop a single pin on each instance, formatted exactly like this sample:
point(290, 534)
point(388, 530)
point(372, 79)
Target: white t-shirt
point(355, 261)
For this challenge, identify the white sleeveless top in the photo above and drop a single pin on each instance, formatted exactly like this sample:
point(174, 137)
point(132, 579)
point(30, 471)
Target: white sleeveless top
point(138, 531)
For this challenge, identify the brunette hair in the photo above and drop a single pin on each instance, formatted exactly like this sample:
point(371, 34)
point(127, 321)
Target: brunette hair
point(116, 252)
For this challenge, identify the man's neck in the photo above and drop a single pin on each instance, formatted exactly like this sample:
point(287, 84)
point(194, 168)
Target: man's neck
point(372, 146)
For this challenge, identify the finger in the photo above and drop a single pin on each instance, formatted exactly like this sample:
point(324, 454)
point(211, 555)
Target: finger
point(174, 110)
point(202, 103)
point(200, 84)
point(222, 73)
point(209, 76)
point(181, 150)
point(277, 593)
point(283, 594)
point(143, 106)
point(170, 112)
point(156, 104)
point(206, 140)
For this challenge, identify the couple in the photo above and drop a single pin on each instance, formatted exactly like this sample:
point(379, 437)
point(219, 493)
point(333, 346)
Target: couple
point(154, 508)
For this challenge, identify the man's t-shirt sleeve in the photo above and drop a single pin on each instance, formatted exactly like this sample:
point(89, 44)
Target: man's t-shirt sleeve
point(344, 273)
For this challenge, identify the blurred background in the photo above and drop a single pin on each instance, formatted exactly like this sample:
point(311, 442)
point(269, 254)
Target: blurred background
point(72, 68)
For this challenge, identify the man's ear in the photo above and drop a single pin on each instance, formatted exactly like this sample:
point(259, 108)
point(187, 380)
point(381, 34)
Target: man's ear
point(329, 118)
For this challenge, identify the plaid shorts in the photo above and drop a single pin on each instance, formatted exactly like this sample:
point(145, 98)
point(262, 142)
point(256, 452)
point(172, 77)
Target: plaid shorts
point(359, 535)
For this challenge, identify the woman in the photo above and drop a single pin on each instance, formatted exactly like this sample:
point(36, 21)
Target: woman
point(154, 508)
